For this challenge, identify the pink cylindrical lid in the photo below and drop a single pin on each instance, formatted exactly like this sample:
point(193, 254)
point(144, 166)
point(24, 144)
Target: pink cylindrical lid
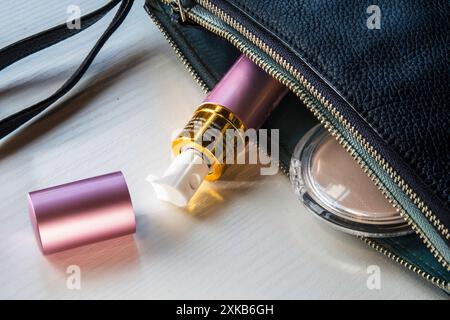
point(81, 212)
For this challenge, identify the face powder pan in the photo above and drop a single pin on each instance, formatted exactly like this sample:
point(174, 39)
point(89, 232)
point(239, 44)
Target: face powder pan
point(331, 185)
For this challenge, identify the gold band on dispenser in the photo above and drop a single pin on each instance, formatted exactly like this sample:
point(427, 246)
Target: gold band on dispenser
point(209, 120)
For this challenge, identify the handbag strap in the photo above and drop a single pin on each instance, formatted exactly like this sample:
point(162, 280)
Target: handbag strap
point(25, 47)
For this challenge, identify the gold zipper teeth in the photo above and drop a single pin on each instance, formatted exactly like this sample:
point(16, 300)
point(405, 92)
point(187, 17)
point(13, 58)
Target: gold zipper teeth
point(264, 65)
point(359, 138)
point(438, 282)
point(178, 52)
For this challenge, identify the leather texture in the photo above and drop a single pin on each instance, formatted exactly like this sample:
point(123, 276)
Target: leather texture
point(211, 57)
point(392, 82)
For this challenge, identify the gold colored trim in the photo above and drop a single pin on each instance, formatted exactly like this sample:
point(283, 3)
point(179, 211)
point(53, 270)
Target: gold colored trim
point(209, 116)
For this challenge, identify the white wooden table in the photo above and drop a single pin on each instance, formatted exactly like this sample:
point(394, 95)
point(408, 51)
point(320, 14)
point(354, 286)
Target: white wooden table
point(248, 237)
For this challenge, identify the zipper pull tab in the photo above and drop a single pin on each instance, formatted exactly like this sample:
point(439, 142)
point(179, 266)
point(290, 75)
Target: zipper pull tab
point(180, 7)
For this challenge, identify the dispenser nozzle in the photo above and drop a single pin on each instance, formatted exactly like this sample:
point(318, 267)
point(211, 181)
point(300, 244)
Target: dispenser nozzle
point(182, 179)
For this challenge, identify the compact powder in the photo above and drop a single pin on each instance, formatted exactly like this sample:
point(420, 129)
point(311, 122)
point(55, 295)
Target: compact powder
point(331, 184)
point(343, 184)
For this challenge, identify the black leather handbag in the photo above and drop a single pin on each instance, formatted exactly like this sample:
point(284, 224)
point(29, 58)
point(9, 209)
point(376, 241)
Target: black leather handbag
point(379, 84)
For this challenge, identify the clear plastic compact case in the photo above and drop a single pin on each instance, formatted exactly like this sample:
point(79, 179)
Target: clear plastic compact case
point(334, 188)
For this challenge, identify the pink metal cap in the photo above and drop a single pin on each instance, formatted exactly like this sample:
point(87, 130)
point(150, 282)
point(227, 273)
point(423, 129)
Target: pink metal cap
point(81, 212)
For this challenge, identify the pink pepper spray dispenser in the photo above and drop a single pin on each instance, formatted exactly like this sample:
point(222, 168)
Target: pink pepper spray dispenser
point(243, 99)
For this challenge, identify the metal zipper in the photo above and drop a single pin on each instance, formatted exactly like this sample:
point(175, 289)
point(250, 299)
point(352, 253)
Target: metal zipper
point(177, 50)
point(438, 282)
point(241, 46)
